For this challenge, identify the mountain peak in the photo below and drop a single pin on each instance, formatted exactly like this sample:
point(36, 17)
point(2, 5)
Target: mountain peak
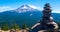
point(24, 8)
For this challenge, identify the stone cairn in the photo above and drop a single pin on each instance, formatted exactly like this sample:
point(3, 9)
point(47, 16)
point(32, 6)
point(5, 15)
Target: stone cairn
point(47, 22)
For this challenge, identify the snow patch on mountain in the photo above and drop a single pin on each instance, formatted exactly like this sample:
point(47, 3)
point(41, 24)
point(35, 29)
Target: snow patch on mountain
point(25, 8)
point(35, 7)
point(31, 14)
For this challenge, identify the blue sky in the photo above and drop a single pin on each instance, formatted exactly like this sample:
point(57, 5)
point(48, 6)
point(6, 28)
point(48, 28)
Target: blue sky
point(14, 4)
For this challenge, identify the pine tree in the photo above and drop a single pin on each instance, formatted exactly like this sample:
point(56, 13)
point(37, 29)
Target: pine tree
point(5, 27)
point(15, 26)
point(24, 26)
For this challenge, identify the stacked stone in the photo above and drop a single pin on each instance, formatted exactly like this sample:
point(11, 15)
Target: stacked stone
point(47, 11)
point(47, 22)
point(46, 14)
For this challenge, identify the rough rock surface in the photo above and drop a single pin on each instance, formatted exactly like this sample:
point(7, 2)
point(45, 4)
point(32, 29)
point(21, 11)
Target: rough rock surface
point(47, 21)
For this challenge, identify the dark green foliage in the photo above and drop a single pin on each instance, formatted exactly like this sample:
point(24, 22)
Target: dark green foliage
point(15, 26)
point(5, 27)
point(10, 17)
point(24, 26)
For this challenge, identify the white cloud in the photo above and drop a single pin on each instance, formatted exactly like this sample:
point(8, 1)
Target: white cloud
point(55, 11)
point(35, 7)
point(5, 8)
point(40, 8)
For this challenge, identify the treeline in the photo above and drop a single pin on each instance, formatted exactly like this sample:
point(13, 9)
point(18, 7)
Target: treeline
point(14, 26)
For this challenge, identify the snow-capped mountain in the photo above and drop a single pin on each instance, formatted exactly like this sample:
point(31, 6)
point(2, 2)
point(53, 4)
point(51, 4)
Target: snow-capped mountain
point(25, 8)
point(29, 16)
